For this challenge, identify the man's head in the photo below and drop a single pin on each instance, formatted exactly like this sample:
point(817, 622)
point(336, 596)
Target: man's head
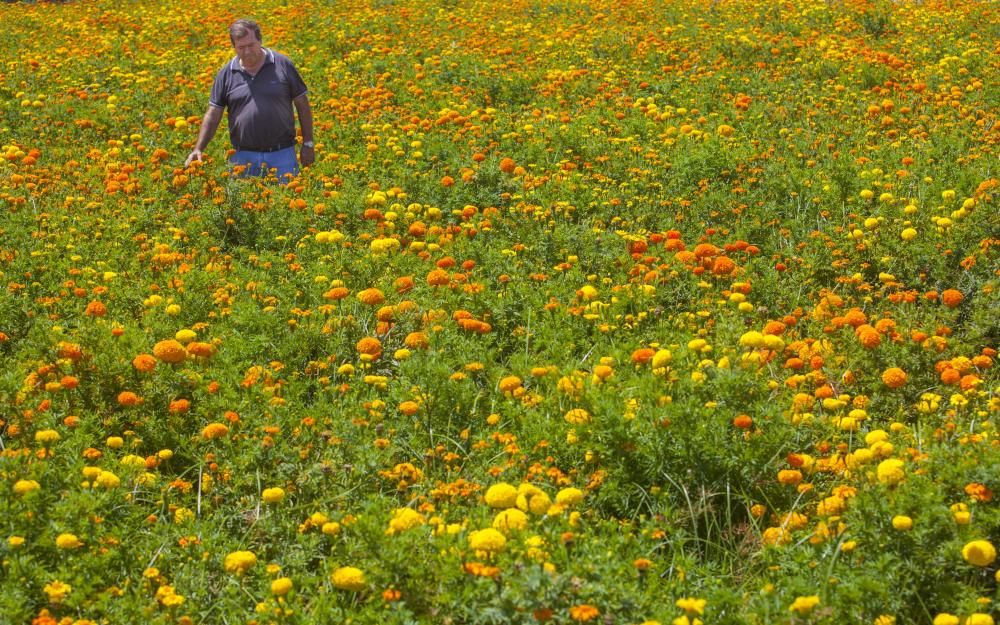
point(245, 35)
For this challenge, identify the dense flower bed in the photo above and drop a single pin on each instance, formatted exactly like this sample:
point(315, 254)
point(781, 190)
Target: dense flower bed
point(610, 312)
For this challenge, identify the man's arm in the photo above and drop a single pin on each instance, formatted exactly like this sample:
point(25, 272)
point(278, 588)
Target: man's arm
point(307, 154)
point(209, 124)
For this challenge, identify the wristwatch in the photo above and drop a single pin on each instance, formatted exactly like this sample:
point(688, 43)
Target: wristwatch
point(308, 144)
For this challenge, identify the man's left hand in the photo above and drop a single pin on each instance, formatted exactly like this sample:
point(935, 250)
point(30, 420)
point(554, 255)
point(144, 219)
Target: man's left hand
point(307, 156)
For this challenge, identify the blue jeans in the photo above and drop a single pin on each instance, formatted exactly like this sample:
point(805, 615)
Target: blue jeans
point(261, 163)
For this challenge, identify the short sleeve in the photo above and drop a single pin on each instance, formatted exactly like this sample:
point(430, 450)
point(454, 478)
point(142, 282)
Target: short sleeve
point(219, 89)
point(296, 85)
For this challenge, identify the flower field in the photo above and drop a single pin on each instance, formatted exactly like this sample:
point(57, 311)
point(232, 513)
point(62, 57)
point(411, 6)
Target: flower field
point(589, 311)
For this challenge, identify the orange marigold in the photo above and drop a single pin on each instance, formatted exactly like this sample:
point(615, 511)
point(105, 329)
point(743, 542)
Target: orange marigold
point(128, 398)
point(894, 377)
point(583, 613)
point(371, 346)
point(371, 297)
point(170, 351)
point(416, 340)
point(952, 297)
point(214, 430)
point(144, 363)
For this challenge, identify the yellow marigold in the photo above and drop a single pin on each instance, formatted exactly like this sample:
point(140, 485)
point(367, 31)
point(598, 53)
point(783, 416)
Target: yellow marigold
point(691, 605)
point(776, 536)
point(107, 479)
point(404, 519)
point(902, 522)
point(68, 541)
point(979, 618)
point(510, 519)
point(979, 553)
point(273, 495)
point(170, 351)
point(281, 586)
point(944, 618)
point(890, 471)
point(583, 613)
point(46, 437)
point(239, 562)
point(577, 416)
point(804, 605)
point(569, 496)
point(214, 430)
point(489, 540)
point(57, 591)
point(348, 578)
point(501, 495)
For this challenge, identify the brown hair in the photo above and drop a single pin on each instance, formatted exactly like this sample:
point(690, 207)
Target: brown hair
point(242, 28)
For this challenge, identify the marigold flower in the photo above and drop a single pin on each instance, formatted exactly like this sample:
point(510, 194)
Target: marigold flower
point(214, 430)
point(489, 540)
point(902, 523)
point(405, 519)
point(239, 562)
point(894, 377)
point(577, 416)
point(128, 399)
point(371, 297)
point(144, 363)
point(170, 351)
point(890, 471)
point(569, 496)
point(107, 480)
point(510, 519)
point(46, 437)
point(370, 346)
point(57, 591)
point(952, 297)
point(348, 578)
point(68, 541)
point(804, 605)
point(273, 495)
point(583, 613)
point(979, 553)
point(501, 495)
point(281, 586)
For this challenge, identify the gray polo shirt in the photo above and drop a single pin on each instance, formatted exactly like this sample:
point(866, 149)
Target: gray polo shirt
point(260, 107)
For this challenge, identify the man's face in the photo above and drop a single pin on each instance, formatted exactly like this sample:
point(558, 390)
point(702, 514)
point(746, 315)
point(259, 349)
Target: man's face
point(248, 49)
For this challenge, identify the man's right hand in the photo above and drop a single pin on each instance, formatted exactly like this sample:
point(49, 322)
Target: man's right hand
point(195, 155)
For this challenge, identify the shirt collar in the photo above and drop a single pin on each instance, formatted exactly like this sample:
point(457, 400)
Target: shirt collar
point(234, 65)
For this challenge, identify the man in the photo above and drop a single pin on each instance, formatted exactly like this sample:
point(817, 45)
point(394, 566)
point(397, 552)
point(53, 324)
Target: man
point(259, 87)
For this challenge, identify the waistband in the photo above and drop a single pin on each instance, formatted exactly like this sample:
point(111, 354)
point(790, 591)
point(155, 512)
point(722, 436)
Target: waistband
point(273, 148)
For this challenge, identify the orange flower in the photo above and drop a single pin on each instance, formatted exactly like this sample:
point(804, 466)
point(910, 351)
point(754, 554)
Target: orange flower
point(437, 277)
point(952, 297)
point(128, 399)
point(370, 346)
point(179, 406)
point(643, 355)
point(894, 377)
point(743, 421)
point(507, 165)
point(95, 309)
point(144, 363)
point(371, 297)
point(583, 613)
point(170, 351)
point(214, 430)
point(336, 293)
point(723, 266)
point(404, 284)
point(202, 350)
point(416, 340)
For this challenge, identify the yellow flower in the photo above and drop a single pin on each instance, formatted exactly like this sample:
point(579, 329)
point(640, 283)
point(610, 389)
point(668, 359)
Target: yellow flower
point(946, 619)
point(902, 523)
point(107, 479)
point(57, 591)
point(890, 471)
point(979, 618)
point(46, 437)
point(281, 586)
point(804, 605)
point(404, 519)
point(489, 540)
point(273, 495)
point(330, 528)
point(577, 416)
point(979, 553)
point(348, 578)
point(23, 487)
point(501, 495)
point(68, 541)
point(239, 562)
point(691, 605)
point(569, 496)
point(510, 519)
